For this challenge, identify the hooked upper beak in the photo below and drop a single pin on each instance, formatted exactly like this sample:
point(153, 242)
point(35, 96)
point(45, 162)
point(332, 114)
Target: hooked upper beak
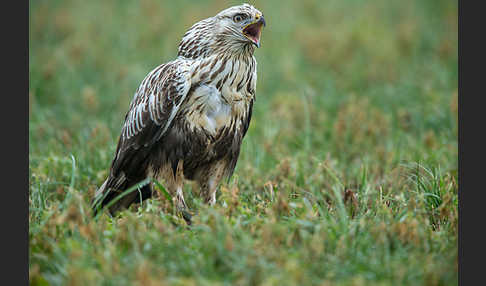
point(253, 31)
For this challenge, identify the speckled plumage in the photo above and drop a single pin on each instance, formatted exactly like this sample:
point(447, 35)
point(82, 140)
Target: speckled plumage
point(189, 116)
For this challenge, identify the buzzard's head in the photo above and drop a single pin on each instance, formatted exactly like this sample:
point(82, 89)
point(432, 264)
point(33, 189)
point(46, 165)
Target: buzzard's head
point(242, 24)
point(237, 29)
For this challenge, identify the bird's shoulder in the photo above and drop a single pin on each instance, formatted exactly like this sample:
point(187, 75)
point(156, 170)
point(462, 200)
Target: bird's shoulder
point(155, 103)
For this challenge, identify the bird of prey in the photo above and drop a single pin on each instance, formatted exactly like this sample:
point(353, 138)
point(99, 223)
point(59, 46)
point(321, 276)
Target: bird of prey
point(188, 117)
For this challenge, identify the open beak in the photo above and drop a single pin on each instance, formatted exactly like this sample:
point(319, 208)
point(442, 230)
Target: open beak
point(253, 31)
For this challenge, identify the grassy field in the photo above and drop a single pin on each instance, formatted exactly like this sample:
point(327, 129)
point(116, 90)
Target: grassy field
point(347, 176)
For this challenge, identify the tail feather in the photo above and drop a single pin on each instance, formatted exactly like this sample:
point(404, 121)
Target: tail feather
point(97, 202)
point(107, 192)
point(111, 188)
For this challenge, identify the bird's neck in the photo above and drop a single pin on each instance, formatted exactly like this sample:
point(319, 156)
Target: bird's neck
point(242, 51)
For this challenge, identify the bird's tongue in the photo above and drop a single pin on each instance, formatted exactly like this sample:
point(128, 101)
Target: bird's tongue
point(253, 32)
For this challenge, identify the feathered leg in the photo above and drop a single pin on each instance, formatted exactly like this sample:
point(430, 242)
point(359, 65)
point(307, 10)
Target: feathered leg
point(209, 179)
point(174, 182)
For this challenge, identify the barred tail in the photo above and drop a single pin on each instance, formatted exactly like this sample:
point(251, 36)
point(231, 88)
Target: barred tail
point(112, 188)
point(97, 201)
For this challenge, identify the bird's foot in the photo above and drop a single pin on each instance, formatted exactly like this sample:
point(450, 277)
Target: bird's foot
point(186, 216)
point(183, 210)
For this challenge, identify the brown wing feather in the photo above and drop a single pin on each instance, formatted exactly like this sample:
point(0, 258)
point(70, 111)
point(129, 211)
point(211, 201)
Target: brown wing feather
point(153, 107)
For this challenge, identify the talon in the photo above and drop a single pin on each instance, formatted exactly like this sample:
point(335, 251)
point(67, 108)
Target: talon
point(187, 217)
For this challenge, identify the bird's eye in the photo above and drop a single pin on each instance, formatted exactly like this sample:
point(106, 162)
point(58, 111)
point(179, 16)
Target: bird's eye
point(238, 18)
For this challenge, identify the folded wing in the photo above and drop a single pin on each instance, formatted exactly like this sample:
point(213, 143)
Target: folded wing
point(151, 112)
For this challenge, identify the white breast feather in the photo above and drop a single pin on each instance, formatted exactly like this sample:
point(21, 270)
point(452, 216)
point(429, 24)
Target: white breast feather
point(214, 114)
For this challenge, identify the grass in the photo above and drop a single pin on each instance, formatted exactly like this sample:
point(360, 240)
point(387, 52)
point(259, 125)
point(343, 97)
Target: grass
point(347, 176)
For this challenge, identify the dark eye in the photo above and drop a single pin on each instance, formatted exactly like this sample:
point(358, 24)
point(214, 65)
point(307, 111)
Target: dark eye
point(238, 18)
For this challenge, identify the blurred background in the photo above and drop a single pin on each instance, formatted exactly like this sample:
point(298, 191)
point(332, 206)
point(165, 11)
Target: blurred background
point(359, 85)
point(334, 77)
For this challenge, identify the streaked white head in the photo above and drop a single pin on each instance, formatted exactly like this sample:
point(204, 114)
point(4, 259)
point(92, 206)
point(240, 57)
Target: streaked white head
point(236, 30)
